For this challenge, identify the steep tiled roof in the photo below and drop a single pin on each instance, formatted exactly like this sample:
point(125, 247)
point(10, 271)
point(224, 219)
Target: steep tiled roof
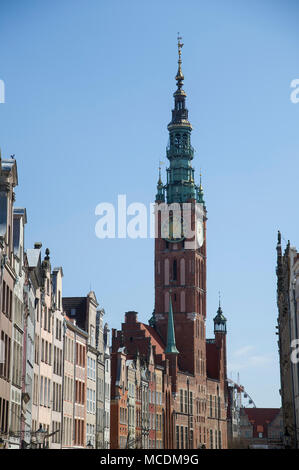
point(155, 339)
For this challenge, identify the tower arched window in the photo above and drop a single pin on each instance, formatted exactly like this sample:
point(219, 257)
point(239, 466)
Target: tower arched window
point(182, 271)
point(166, 272)
point(185, 140)
point(177, 140)
point(183, 301)
point(174, 269)
point(166, 301)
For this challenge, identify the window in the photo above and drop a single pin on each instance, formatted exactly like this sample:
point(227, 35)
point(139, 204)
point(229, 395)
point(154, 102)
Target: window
point(175, 270)
point(49, 321)
point(191, 439)
point(92, 336)
point(45, 319)
point(3, 296)
point(182, 438)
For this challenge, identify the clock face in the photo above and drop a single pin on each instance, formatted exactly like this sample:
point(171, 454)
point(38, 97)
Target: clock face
point(199, 233)
point(172, 229)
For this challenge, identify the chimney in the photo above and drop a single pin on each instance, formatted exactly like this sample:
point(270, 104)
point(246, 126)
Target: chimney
point(38, 245)
point(131, 317)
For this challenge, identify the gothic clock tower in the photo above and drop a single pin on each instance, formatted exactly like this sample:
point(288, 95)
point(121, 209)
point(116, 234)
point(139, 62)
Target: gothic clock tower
point(180, 257)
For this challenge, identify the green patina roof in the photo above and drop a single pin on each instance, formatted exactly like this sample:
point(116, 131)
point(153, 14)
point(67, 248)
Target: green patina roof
point(180, 186)
point(171, 346)
point(220, 318)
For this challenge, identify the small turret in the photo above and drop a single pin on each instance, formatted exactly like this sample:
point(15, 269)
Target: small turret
point(160, 196)
point(220, 321)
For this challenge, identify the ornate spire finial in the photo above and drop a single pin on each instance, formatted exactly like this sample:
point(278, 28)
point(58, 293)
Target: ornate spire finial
point(160, 179)
point(200, 191)
point(160, 196)
point(179, 76)
point(200, 185)
point(180, 45)
point(219, 298)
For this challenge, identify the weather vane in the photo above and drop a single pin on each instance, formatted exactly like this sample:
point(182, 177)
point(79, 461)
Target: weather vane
point(179, 76)
point(180, 45)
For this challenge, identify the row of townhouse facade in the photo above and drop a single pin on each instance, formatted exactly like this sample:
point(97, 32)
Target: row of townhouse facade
point(54, 351)
point(154, 405)
point(136, 401)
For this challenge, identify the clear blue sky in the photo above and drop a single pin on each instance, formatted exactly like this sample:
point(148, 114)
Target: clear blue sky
point(88, 97)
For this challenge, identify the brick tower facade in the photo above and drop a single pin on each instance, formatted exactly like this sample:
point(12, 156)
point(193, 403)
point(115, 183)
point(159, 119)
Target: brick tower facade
point(194, 406)
point(180, 256)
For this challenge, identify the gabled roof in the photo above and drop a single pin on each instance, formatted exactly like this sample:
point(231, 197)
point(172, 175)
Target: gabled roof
point(155, 339)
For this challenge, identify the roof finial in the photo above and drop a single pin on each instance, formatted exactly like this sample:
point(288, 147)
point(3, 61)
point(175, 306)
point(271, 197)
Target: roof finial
point(200, 191)
point(179, 76)
point(160, 179)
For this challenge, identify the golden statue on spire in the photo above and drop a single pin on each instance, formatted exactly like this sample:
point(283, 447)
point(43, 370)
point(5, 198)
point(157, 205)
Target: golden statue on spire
point(179, 76)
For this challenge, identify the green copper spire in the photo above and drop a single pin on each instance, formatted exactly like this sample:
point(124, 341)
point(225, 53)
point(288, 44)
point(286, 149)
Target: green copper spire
point(171, 346)
point(160, 197)
point(200, 193)
point(180, 186)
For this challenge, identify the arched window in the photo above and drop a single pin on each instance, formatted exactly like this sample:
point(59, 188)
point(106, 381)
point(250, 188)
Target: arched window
point(183, 302)
point(174, 270)
point(177, 140)
point(182, 273)
point(185, 140)
point(166, 302)
point(166, 272)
